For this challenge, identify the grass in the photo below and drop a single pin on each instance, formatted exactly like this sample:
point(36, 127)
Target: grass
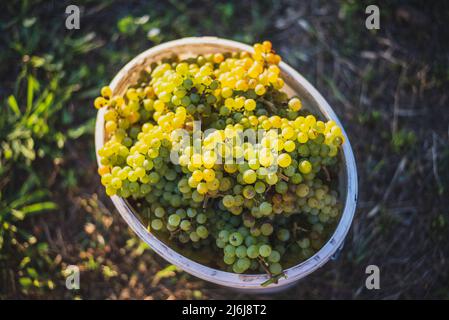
point(388, 88)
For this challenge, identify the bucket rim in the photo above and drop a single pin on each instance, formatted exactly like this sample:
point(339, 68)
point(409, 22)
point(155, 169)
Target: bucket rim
point(246, 282)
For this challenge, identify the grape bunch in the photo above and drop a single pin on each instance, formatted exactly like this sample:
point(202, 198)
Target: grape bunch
point(215, 155)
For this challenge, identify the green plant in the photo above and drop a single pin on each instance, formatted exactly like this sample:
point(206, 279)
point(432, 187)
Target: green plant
point(403, 139)
point(28, 135)
point(31, 258)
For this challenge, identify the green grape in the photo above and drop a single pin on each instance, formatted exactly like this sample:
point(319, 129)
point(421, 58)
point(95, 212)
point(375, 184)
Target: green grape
point(170, 227)
point(181, 213)
point(238, 200)
point(265, 250)
point(249, 192)
point(289, 171)
point(265, 208)
point(250, 240)
point(252, 251)
point(266, 229)
point(255, 231)
point(228, 201)
point(302, 190)
point(274, 256)
point(220, 243)
point(238, 189)
point(243, 264)
point(235, 239)
point(183, 237)
point(304, 243)
point(283, 235)
point(202, 232)
point(197, 197)
point(236, 268)
point(159, 212)
point(229, 259)
point(157, 224)
point(191, 212)
point(240, 251)
point(244, 232)
point(249, 176)
point(275, 268)
point(185, 225)
point(223, 235)
point(201, 218)
point(259, 187)
point(194, 236)
point(154, 177)
point(174, 220)
point(229, 250)
point(281, 187)
point(280, 248)
point(296, 178)
point(248, 221)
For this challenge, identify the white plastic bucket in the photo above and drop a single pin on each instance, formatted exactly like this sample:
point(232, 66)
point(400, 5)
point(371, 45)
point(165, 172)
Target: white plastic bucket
point(294, 84)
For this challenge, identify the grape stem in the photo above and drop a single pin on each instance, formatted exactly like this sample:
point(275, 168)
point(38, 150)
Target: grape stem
point(264, 266)
point(283, 177)
point(220, 194)
point(328, 176)
point(268, 190)
point(189, 126)
point(269, 104)
point(297, 228)
point(173, 233)
point(206, 198)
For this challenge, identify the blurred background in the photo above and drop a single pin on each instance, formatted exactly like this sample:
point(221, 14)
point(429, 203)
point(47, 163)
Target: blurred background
point(389, 87)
